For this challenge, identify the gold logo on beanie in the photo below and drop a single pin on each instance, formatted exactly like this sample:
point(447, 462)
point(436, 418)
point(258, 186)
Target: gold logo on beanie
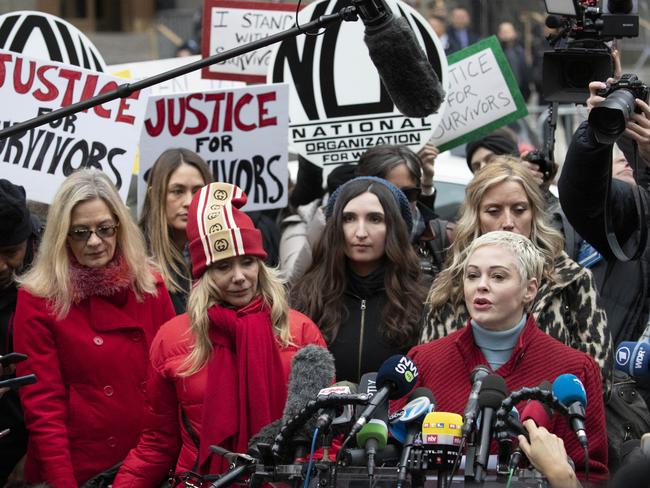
point(214, 215)
point(220, 194)
point(215, 228)
point(221, 245)
point(216, 206)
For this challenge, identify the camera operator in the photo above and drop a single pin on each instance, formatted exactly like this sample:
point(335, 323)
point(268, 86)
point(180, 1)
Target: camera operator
point(623, 286)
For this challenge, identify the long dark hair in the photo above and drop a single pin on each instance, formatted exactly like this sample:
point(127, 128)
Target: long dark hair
point(380, 160)
point(319, 293)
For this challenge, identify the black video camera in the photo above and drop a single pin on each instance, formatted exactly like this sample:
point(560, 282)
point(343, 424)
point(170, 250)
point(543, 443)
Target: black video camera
point(580, 53)
point(609, 119)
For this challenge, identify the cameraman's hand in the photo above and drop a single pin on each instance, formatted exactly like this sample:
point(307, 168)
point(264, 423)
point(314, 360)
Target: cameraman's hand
point(537, 174)
point(546, 453)
point(595, 99)
point(638, 129)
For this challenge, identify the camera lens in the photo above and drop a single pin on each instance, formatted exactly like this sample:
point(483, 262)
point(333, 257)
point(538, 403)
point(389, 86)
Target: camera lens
point(608, 120)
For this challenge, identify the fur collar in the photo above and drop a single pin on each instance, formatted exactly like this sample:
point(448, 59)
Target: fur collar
point(104, 282)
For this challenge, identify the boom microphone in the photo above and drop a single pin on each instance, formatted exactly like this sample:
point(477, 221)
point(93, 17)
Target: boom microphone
point(403, 67)
point(395, 378)
point(633, 358)
point(571, 393)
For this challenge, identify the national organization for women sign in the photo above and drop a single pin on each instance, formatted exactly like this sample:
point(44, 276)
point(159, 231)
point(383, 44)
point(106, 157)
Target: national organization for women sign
point(338, 106)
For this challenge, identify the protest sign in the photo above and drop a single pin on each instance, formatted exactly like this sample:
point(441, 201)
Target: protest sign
point(230, 24)
point(104, 137)
point(44, 36)
point(338, 106)
point(190, 82)
point(241, 134)
point(483, 95)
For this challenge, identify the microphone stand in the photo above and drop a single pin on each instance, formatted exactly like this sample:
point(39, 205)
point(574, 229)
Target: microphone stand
point(125, 90)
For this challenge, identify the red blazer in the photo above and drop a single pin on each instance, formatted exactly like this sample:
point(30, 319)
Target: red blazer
point(165, 442)
point(85, 412)
point(445, 366)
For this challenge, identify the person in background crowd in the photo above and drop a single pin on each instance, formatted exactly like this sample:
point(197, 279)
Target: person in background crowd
point(504, 196)
point(479, 152)
point(363, 288)
point(173, 179)
point(439, 26)
point(220, 371)
point(501, 273)
point(460, 30)
point(403, 168)
point(514, 51)
point(86, 314)
point(19, 237)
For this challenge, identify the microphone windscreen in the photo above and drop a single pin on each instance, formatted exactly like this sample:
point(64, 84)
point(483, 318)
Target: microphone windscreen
point(479, 373)
point(374, 429)
point(266, 435)
point(493, 391)
point(312, 369)
point(569, 389)
point(632, 358)
point(399, 373)
point(538, 413)
point(404, 69)
point(442, 428)
point(422, 392)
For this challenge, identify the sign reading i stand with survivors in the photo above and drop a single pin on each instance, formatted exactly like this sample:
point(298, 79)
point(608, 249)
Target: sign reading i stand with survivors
point(338, 106)
point(241, 133)
point(103, 137)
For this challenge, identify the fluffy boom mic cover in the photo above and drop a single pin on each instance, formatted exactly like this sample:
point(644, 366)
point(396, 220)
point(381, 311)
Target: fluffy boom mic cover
point(404, 68)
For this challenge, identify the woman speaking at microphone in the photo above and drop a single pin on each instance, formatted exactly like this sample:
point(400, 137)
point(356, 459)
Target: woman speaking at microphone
point(220, 371)
point(501, 275)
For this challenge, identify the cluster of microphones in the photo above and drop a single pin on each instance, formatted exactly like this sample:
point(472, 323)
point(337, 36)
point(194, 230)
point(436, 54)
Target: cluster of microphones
point(337, 433)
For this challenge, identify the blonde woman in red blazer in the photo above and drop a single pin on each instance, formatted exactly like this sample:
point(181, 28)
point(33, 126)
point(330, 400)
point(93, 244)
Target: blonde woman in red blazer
point(86, 315)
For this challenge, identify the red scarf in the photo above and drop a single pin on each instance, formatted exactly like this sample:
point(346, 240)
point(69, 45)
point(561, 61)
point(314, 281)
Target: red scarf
point(246, 387)
point(106, 281)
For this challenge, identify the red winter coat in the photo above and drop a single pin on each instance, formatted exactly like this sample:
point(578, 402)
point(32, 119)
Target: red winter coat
point(445, 366)
point(85, 412)
point(165, 441)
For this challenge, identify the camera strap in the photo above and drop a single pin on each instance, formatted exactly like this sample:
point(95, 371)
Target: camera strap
point(640, 210)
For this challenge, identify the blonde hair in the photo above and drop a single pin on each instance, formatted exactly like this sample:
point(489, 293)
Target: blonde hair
point(154, 214)
point(205, 293)
point(49, 276)
point(528, 258)
point(448, 286)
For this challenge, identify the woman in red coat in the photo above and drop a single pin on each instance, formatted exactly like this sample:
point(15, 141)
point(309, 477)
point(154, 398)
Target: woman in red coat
point(86, 314)
point(220, 371)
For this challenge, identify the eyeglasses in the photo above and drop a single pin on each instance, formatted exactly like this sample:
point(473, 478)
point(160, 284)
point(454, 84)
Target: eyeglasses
point(103, 232)
point(412, 193)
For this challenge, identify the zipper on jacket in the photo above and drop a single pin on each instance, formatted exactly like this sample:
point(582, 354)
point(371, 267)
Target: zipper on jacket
point(363, 320)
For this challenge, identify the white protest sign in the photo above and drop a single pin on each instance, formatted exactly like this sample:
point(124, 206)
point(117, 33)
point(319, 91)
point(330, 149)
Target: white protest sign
point(241, 134)
point(337, 104)
point(190, 82)
point(482, 96)
point(44, 36)
point(104, 137)
point(230, 24)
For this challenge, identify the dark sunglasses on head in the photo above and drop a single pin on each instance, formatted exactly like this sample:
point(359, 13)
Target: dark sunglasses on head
point(103, 232)
point(412, 193)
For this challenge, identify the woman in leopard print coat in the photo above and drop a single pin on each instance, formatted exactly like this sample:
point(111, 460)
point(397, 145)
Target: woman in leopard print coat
point(504, 196)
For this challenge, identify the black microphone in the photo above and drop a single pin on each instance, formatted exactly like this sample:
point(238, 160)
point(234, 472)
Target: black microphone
point(395, 378)
point(312, 369)
point(493, 392)
point(471, 409)
point(339, 415)
point(403, 66)
point(421, 402)
point(368, 385)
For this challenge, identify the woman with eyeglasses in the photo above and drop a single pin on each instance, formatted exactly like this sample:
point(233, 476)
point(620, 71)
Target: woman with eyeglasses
point(363, 288)
point(430, 236)
point(86, 314)
point(176, 175)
